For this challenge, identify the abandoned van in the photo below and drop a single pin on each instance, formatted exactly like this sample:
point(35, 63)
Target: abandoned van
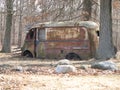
point(58, 40)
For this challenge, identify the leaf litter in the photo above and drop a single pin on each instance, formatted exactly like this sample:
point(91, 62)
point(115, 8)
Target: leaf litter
point(18, 73)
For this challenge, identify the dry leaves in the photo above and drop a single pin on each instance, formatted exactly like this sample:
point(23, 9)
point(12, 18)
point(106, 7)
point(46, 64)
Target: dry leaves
point(33, 74)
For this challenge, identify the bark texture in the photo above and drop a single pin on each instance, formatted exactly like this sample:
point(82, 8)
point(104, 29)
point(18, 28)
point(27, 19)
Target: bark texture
point(106, 48)
point(7, 38)
point(87, 9)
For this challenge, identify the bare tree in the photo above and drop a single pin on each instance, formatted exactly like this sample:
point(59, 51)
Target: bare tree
point(28, 12)
point(2, 20)
point(87, 9)
point(7, 37)
point(20, 25)
point(106, 48)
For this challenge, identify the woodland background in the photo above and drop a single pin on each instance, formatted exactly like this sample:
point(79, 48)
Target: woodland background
point(26, 13)
point(19, 73)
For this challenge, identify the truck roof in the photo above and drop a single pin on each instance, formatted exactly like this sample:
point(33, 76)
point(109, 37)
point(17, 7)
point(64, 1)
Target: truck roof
point(87, 24)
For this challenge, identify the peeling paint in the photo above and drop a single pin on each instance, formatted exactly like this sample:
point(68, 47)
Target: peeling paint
point(62, 39)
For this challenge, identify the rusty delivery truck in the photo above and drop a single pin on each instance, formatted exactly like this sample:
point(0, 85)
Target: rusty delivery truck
point(68, 39)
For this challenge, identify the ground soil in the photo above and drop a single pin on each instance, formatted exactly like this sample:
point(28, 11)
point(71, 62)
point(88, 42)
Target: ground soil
point(19, 73)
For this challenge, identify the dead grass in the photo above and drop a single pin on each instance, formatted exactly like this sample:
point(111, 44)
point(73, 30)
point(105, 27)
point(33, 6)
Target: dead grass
point(58, 82)
point(39, 74)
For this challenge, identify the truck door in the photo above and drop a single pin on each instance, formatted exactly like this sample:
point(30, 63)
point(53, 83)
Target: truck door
point(30, 45)
point(40, 42)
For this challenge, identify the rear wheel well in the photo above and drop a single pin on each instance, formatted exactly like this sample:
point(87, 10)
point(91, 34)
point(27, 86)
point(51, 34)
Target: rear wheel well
point(72, 55)
point(27, 53)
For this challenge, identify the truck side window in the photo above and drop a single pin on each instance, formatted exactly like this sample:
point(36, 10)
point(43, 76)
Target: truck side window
point(31, 33)
point(97, 33)
point(42, 34)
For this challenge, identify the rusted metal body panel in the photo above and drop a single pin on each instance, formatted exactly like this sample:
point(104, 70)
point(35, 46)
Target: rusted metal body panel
point(61, 41)
point(61, 49)
point(57, 40)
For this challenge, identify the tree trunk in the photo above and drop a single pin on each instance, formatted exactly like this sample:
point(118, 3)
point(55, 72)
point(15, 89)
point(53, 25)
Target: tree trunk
point(106, 48)
point(13, 31)
point(20, 26)
point(7, 37)
point(87, 9)
point(1, 19)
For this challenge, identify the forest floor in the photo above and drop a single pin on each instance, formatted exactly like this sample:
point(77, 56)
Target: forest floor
point(18, 73)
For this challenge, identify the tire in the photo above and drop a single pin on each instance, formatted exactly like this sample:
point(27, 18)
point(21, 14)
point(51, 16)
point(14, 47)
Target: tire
point(72, 56)
point(28, 54)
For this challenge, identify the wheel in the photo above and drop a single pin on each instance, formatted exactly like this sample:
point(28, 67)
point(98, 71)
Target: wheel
point(71, 56)
point(28, 54)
